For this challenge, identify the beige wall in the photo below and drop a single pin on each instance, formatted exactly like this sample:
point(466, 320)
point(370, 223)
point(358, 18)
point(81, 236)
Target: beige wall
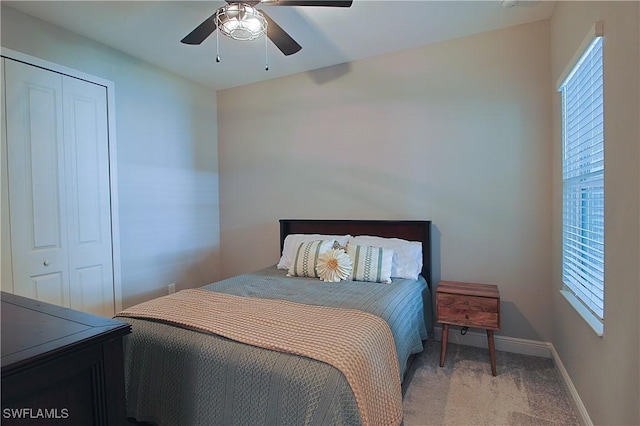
point(456, 132)
point(605, 370)
point(166, 156)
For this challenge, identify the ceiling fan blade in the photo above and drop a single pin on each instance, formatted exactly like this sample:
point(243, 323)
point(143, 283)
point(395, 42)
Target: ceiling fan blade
point(280, 38)
point(201, 32)
point(327, 3)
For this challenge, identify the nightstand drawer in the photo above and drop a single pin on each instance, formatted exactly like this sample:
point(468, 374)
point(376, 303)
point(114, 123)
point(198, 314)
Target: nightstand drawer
point(469, 318)
point(469, 303)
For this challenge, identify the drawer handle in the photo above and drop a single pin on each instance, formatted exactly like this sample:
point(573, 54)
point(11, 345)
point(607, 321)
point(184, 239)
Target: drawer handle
point(466, 317)
point(46, 262)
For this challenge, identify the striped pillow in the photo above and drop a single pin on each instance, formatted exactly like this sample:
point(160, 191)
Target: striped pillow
point(370, 263)
point(306, 257)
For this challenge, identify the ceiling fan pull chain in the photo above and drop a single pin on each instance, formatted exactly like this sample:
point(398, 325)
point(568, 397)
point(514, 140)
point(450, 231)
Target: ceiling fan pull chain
point(266, 54)
point(217, 46)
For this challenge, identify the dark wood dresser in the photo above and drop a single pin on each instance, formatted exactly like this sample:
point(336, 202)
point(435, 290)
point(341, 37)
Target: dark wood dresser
point(60, 366)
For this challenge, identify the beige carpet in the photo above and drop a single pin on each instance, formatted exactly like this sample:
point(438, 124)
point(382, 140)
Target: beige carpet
point(526, 391)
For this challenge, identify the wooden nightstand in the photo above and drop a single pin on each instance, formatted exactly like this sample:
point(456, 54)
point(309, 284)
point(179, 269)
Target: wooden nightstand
point(468, 305)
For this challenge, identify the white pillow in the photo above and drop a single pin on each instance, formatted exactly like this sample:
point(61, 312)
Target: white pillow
point(372, 264)
point(306, 257)
point(407, 259)
point(292, 241)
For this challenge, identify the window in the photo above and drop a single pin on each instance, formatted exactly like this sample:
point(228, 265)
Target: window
point(583, 183)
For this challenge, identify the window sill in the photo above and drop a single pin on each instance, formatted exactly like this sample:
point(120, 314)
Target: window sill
point(591, 319)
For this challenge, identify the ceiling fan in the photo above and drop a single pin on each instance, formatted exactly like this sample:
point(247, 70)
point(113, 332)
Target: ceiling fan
point(241, 21)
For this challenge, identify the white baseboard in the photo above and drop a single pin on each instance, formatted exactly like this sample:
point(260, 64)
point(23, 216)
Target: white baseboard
point(571, 389)
point(523, 347)
point(503, 343)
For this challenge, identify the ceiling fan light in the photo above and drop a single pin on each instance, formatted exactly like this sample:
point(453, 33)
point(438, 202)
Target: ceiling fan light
point(241, 22)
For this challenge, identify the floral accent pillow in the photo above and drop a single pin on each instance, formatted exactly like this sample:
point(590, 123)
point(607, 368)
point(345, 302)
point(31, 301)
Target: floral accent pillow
point(334, 265)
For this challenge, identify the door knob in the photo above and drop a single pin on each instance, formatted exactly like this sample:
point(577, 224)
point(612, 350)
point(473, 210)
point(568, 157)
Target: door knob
point(46, 262)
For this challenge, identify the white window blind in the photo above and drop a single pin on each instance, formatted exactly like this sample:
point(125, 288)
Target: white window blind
point(583, 180)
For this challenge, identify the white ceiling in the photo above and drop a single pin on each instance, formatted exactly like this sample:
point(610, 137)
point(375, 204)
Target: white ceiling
point(152, 30)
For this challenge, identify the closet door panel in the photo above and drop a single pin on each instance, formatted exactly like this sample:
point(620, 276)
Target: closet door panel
point(36, 175)
point(88, 197)
point(49, 288)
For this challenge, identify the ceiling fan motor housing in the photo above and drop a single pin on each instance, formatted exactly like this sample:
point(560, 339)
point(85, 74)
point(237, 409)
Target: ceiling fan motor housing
point(241, 21)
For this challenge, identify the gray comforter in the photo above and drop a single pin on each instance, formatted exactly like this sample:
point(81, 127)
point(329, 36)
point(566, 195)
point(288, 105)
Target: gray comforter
point(176, 376)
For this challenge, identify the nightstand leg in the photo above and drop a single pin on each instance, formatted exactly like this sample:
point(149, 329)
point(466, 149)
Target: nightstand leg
point(443, 343)
point(492, 351)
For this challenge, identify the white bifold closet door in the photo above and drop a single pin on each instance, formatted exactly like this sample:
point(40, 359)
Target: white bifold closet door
point(59, 197)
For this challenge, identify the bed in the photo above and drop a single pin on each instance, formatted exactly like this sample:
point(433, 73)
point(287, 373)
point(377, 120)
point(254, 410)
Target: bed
point(177, 373)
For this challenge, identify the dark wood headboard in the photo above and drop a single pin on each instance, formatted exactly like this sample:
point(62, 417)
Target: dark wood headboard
point(411, 230)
